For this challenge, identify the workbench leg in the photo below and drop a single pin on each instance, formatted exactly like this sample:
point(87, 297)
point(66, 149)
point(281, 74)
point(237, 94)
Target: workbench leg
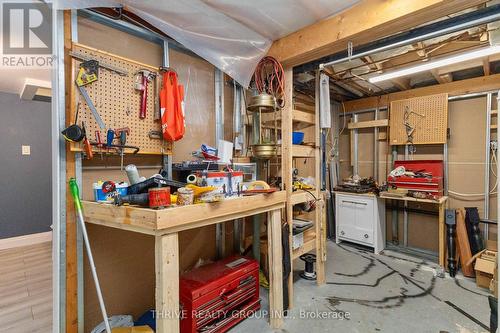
point(167, 283)
point(442, 237)
point(320, 243)
point(275, 269)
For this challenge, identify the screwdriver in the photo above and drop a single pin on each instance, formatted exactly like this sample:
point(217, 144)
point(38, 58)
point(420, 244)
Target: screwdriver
point(110, 136)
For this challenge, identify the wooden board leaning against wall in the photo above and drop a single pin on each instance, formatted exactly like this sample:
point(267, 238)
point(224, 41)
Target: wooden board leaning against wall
point(467, 123)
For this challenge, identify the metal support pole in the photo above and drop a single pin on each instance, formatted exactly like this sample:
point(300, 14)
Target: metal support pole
point(219, 106)
point(237, 230)
point(355, 165)
point(167, 159)
point(395, 216)
point(405, 212)
point(219, 135)
point(375, 149)
point(58, 120)
point(487, 170)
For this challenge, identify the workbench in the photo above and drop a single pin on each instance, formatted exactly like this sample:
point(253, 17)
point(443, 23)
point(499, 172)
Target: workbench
point(164, 225)
point(441, 203)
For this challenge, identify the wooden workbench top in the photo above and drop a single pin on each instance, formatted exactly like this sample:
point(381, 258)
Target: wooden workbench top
point(440, 201)
point(157, 222)
point(367, 194)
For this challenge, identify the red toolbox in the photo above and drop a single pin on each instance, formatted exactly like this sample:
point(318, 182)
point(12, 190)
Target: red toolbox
point(217, 296)
point(432, 184)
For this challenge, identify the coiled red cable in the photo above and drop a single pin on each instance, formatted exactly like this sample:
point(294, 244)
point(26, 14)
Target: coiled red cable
point(269, 78)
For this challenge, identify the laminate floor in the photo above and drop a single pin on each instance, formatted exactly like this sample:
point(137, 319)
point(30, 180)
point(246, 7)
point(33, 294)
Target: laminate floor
point(26, 289)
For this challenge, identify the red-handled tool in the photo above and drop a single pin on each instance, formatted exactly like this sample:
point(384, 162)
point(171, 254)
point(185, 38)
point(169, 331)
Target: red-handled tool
point(143, 77)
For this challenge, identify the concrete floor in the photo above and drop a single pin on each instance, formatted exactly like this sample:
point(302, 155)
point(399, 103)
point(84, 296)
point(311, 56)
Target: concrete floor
point(391, 292)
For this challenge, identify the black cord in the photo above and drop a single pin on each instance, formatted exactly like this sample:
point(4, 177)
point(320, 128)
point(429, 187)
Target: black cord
point(308, 191)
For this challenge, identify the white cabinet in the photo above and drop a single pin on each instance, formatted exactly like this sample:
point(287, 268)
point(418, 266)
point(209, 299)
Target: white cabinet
point(360, 218)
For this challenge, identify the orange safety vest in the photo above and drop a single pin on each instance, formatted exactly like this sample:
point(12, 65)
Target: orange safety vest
point(173, 124)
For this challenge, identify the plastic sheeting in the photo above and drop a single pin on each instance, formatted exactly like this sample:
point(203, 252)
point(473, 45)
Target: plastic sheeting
point(222, 41)
point(232, 35)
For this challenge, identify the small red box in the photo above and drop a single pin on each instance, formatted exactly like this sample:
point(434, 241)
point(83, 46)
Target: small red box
point(432, 185)
point(217, 296)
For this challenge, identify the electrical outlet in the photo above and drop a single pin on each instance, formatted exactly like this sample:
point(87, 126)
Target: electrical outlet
point(26, 150)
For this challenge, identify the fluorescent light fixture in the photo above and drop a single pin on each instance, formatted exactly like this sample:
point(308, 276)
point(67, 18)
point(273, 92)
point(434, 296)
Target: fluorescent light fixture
point(484, 52)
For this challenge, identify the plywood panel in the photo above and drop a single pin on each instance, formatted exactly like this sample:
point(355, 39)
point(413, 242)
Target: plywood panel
point(429, 119)
point(97, 35)
point(467, 130)
point(197, 75)
point(466, 153)
point(125, 254)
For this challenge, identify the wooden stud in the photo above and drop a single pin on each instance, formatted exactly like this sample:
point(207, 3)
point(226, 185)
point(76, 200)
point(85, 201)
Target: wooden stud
point(275, 269)
point(365, 22)
point(167, 283)
point(71, 227)
point(368, 124)
point(287, 164)
point(442, 78)
point(486, 66)
point(455, 88)
point(318, 222)
point(402, 83)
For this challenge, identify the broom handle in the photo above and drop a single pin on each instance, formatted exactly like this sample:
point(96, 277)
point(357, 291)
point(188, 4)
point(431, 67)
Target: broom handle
point(78, 206)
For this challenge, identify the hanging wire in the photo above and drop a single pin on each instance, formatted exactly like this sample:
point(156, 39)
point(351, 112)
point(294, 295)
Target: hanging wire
point(269, 78)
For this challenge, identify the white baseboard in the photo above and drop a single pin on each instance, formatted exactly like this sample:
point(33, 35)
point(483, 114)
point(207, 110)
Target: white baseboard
point(9, 243)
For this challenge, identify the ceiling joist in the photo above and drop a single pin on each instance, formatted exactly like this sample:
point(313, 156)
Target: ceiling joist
point(367, 21)
point(455, 88)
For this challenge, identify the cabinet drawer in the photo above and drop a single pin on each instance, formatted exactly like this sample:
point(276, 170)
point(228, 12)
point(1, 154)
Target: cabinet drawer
point(355, 234)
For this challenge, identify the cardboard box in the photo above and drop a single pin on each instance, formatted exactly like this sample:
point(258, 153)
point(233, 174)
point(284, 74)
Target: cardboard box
point(485, 268)
point(494, 281)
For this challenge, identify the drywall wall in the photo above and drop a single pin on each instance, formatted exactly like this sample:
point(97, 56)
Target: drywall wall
point(26, 179)
point(466, 156)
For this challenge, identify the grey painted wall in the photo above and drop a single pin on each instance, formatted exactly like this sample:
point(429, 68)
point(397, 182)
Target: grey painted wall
point(25, 180)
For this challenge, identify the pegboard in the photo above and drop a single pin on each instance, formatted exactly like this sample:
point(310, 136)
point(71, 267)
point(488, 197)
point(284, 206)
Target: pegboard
point(430, 120)
point(117, 102)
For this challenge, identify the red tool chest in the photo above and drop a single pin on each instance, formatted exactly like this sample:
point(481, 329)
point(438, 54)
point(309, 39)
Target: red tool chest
point(217, 296)
point(432, 185)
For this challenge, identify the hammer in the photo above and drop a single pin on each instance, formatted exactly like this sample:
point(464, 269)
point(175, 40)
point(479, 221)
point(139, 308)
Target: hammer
point(142, 86)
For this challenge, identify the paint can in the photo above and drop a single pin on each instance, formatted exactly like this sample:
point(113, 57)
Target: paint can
point(185, 196)
point(159, 197)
